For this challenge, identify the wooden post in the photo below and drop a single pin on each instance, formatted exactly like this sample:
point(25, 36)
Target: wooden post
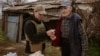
point(20, 27)
point(5, 23)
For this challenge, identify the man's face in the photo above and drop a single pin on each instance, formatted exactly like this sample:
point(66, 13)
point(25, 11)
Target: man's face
point(65, 11)
point(39, 16)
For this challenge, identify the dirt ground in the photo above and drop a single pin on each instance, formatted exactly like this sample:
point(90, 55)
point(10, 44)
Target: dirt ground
point(6, 47)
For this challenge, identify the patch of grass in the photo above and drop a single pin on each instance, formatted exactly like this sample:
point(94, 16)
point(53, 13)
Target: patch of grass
point(94, 50)
point(3, 37)
point(52, 51)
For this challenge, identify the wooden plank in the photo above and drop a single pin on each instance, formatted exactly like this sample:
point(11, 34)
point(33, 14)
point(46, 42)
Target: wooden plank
point(2, 27)
point(18, 7)
point(3, 22)
point(85, 1)
point(6, 23)
point(20, 27)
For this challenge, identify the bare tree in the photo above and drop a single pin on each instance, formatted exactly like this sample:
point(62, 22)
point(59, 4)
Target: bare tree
point(12, 3)
point(20, 1)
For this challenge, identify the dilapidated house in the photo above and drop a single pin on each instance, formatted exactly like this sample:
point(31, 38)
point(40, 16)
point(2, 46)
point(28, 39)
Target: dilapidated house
point(14, 17)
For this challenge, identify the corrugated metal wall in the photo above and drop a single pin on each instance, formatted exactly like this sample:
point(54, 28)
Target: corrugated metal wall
point(12, 28)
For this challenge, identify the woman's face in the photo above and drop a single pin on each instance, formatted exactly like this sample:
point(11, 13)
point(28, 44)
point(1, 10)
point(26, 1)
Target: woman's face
point(65, 11)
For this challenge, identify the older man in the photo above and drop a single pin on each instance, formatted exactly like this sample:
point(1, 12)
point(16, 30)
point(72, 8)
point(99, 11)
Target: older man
point(70, 34)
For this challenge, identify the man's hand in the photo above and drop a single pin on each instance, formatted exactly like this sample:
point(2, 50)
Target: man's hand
point(51, 34)
point(53, 37)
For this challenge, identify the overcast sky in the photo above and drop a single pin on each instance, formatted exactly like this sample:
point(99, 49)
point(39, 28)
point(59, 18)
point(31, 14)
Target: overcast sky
point(31, 0)
point(27, 1)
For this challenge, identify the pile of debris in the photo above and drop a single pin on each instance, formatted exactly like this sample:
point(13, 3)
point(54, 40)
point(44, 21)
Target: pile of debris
point(96, 13)
point(91, 20)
